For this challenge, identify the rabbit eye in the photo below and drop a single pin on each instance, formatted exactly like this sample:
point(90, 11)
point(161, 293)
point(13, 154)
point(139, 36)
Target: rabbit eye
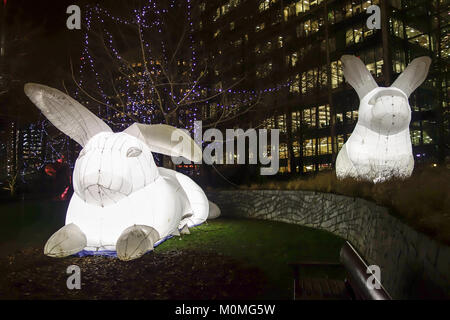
point(133, 152)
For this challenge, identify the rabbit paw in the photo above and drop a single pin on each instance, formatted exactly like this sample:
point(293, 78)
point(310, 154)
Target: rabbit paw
point(135, 241)
point(66, 241)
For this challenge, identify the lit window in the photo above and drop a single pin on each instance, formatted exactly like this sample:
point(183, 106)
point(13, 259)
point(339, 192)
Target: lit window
point(295, 85)
point(283, 151)
point(280, 42)
point(259, 27)
point(264, 5)
point(309, 147)
point(282, 123)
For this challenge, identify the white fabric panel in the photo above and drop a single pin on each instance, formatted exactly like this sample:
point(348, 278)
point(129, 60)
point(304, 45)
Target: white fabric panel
point(413, 76)
point(159, 139)
point(197, 199)
point(118, 188)
point(214, 211)
point(135, 241)
point(357, 75)
point(65, 113)
point(157, 205)
point(380, 146)
point(66, 241)
point(105, 173)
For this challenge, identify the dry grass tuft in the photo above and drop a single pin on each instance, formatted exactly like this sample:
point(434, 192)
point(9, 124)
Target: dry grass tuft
point(421, 201)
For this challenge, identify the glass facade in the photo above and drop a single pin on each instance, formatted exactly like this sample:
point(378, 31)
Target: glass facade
point(299, 43)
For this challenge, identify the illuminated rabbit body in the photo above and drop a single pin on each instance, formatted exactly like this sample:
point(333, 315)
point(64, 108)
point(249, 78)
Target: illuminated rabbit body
point(122, 201)
point(110, 196)
point(380, 148)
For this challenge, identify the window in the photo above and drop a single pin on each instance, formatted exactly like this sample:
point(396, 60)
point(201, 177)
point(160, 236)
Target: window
point(415, 137)
point(263, 70)
point(309, 27)
point(411, 32)
point(337, 74)
point(303, 82)
point(309, 117)
point(340, 141)
point(237, 43)
point(232, 25)
point(295, 84)
point(225, 8)
point(267, 47)
point(281, 122)
point(324, 116)
point(280, 42)
point(269, 123)
point(265, 4)
point(351, 116)
point(259, 27)
point(296, 149)
point(309, 147)
point(217, 15)
point(292, 59)
point(314, 26)
point(289, 11)
point(299, 7)
point(295, 126)
point(422, 40)
point(398, 61)
point(426, 138)
point(325, 145)
point(283, 151)
point(397, 28)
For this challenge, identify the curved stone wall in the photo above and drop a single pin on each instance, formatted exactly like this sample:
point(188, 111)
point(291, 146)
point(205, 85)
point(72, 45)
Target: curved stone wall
point(412, 265)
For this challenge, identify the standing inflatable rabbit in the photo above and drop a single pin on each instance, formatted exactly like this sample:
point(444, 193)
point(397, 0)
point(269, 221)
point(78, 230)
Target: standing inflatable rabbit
point(380, 146)
point(122, 201)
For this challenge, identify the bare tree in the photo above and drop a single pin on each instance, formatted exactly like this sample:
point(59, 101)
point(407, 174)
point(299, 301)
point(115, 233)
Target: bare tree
point(146, 65)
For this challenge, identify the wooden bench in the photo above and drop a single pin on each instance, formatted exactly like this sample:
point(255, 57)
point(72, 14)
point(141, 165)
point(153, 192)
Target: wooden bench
point(353, 287)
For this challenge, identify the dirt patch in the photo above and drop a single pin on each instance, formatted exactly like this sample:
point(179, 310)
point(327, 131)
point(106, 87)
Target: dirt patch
point(176, 274)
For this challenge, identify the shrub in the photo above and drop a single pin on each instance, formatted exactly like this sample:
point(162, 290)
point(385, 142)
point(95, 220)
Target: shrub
point(421, 201)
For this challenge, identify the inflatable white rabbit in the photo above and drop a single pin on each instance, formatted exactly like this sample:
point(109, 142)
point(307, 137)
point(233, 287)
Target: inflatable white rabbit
point(122, 201)
point(380, 145)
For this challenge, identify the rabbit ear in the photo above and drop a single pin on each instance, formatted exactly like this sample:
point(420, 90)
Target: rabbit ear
point(65, 113)
point(357, 75)
point(413, 76)
point(168, 140)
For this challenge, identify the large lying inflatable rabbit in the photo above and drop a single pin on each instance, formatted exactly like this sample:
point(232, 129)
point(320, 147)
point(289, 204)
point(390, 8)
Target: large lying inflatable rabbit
point(122, 201)
point(380, 146)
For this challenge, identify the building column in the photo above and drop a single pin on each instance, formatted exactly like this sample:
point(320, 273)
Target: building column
point(385, 35)
point(329, 89)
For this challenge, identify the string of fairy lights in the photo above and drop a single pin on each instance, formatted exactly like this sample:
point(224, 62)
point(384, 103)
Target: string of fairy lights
point(135, 86)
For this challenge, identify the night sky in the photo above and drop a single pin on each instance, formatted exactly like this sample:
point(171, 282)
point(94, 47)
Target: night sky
point(41, 51)
point(39, 48)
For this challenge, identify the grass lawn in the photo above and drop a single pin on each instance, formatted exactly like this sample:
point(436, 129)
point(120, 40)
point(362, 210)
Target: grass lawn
point(254, 244)
point(267, 245)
